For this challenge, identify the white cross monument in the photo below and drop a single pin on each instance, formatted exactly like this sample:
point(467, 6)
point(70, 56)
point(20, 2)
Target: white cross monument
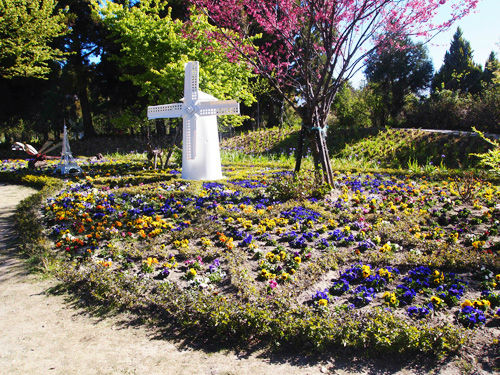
point(200, 139)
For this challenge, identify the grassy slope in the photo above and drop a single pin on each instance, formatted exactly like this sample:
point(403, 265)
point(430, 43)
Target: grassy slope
point(393, 148)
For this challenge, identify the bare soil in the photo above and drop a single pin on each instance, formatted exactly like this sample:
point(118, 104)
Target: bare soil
point(43, 333)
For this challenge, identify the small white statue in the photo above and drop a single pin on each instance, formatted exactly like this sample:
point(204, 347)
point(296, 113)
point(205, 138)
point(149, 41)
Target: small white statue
point(200, 140)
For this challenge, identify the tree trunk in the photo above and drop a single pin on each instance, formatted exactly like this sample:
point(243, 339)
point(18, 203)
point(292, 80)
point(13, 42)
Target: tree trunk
point(324, 157)
point(160, 128)
point(88, 126)
point(82, 80)
point(300, 147)
point(258, 114)
point(317, 137)
point(172, 145)
point(82, 88)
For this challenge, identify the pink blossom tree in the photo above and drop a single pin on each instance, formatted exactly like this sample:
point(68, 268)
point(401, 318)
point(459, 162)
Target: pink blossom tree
point(310, 47)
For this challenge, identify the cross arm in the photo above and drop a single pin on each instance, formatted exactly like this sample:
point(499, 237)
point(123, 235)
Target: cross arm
point(191, 81)
point(165, 111)
point(219, 107)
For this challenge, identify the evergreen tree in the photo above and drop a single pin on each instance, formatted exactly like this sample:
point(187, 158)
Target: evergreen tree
point(401, 68)
point(491, 69)
point(458, 72)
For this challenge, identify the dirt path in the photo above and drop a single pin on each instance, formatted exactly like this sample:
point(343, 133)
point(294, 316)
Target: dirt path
point(42, 334)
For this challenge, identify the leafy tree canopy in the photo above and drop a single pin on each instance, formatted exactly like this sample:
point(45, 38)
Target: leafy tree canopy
point(354, 108)
point(26, 29)
point(155, 49)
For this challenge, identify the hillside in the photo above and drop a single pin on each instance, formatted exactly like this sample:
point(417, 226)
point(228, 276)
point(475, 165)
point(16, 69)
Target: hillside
point(391, 148)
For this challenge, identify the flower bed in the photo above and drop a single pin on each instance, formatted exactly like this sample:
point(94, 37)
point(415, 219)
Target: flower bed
point(384, 263)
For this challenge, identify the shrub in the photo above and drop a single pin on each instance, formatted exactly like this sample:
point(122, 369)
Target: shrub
point(297, 185)
point(491, 158)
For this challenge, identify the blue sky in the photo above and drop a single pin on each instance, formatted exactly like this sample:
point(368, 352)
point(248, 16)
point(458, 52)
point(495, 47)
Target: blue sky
point(481, 29)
